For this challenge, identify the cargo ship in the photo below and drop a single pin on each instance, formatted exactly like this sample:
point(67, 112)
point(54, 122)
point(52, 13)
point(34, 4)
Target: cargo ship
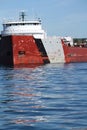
point(24, 42)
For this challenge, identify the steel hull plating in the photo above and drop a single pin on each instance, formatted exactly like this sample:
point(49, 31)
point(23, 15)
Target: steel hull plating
point(26, 50)
point(75, 54)
point(22, 50)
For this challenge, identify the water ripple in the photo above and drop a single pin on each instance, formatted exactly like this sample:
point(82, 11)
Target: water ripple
point(50, 97)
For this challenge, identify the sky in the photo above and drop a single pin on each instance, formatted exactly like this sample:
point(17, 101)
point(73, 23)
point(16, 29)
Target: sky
point(59, 17)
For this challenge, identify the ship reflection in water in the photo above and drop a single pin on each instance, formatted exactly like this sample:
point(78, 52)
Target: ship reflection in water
point(22, 66)
point(21, 96)
point(49, 97)
point(32, 103)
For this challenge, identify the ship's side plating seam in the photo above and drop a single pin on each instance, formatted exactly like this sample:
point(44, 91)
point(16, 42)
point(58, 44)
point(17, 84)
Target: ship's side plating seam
point(54, 49)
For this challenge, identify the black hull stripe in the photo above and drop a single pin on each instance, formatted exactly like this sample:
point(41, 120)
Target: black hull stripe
point(42, 50)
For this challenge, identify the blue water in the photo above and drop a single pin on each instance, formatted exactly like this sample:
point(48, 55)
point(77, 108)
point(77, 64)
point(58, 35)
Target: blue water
point(49, 97)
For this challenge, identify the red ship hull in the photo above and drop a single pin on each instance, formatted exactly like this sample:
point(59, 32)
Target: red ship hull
point(20, 50)
point(28, 51)
point(75, 54)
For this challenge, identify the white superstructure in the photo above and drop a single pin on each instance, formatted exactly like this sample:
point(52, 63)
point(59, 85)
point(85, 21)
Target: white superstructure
point(24, 27)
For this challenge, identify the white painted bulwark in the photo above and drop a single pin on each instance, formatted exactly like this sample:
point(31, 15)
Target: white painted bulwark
point(54, 49)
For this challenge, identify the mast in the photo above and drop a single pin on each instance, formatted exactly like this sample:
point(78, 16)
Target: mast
point(22, 16)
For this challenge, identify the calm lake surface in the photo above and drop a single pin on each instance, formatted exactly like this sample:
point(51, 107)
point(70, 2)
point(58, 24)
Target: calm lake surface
point(49, 97)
